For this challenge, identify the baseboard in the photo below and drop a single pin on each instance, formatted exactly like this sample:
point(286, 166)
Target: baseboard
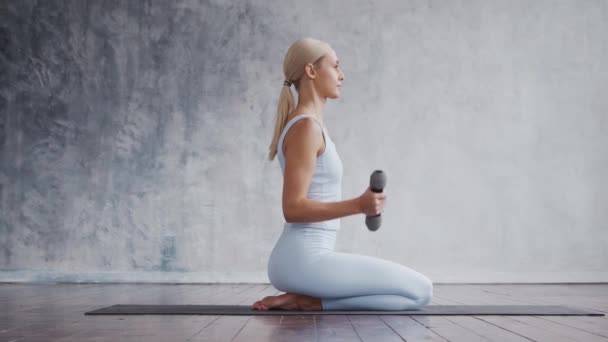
point(453, 277)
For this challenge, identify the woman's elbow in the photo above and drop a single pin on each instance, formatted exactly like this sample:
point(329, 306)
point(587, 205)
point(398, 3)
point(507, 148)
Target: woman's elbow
point(290, 212)
point(288, 215)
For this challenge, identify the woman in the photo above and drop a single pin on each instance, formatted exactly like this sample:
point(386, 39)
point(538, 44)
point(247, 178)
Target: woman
point(303, 262)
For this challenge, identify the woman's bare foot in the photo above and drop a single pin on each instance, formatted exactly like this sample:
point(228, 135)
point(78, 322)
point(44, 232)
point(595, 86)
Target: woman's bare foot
point(289, 301)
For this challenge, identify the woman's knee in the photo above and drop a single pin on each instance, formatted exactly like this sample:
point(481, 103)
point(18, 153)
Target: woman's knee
point(422, 291)
point(425, 296)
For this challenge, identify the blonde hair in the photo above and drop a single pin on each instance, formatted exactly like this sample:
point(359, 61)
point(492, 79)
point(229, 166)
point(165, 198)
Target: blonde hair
point(300, 53)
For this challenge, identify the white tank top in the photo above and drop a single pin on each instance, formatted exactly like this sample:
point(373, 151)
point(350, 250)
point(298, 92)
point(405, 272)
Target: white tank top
point(326, 182)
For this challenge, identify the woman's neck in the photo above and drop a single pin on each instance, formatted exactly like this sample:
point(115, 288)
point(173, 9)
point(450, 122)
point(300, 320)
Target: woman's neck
point(309, 102)
point(310, 110)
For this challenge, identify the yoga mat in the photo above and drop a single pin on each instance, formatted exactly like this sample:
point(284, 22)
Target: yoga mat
point(245, 310)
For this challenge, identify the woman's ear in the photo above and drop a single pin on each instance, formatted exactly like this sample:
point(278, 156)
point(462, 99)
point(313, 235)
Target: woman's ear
point(309, 69)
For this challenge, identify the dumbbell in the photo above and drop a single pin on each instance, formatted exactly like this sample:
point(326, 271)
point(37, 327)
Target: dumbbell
point(377, 181)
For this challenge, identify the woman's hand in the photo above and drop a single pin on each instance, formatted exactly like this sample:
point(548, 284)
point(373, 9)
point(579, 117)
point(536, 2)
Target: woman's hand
point(372, 203)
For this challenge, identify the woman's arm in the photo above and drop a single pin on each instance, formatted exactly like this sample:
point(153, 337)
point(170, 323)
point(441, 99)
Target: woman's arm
point(307, 210)
point(301, 145)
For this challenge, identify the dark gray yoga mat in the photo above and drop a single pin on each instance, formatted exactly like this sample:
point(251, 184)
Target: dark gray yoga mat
point(245, 310)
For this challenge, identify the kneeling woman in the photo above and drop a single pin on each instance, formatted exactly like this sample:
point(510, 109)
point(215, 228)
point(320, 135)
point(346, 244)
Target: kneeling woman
point(304, 263)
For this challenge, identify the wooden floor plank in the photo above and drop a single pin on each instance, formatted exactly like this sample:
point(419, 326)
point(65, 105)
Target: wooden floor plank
point(525, 329)
point(532, 327)
point(554, 294)
point(485, 329)
point(279, 328)
point(226, 328)
point(461, 328)
point(335, 328)
point(83, 327)
point(411, 330)
point(596, 326)
point(159, 327)
point(53, 312)
point(448, 329)
point(171, 328)
point(372, 328)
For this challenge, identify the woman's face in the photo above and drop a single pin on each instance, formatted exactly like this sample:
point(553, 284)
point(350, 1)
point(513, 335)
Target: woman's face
point(329, 76)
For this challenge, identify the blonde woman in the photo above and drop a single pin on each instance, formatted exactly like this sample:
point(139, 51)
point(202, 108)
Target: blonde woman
point(303, 263)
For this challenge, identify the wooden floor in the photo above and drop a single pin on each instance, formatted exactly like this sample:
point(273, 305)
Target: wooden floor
point(55, 312)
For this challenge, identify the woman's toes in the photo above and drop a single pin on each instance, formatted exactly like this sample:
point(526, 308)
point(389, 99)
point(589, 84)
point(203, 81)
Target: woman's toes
point(257, 305)
point(286, 301)
point(265, 303)
point(260, 306)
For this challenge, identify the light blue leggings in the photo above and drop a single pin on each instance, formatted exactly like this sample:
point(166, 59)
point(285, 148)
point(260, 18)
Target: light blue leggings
point(303, 261)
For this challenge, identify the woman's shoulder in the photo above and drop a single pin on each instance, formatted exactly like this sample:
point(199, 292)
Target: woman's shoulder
point(297, 114)
point(304, 133)
point(302, 115)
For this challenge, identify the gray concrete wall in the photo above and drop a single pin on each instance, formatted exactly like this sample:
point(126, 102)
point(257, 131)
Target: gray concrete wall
point(134, 134)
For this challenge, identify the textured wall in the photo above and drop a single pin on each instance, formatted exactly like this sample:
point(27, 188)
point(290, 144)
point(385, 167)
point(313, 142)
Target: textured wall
point(134, 134)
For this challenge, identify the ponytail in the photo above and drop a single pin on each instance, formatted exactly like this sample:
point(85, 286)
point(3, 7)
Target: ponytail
point(286, 106)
